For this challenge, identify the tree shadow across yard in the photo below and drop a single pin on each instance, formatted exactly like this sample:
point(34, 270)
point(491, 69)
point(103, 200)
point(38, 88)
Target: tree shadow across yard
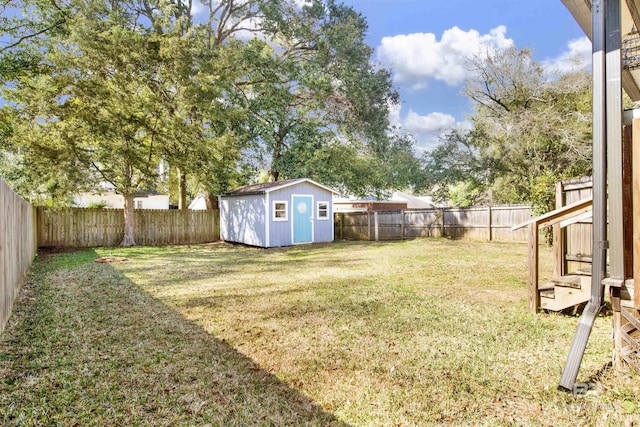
point(86, 346)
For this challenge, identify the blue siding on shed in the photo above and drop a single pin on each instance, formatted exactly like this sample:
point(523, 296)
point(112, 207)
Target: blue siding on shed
point(242, 220)
point(281, 232)
point(249, 218)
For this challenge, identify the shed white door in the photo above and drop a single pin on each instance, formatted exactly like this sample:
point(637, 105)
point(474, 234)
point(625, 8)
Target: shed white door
point(302, 214)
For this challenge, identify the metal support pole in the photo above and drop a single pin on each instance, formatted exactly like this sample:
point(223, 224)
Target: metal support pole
point(605, 30)
point(615, 185)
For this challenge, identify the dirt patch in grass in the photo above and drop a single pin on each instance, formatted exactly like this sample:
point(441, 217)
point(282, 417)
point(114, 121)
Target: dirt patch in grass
point(110, 259)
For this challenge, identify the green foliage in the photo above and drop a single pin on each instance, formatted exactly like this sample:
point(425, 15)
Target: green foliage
point(530, 131)
point(465, 194)
point(93, 116)
point(98, 204)
point(316, 94)
point(455, 174)
point(105, 91)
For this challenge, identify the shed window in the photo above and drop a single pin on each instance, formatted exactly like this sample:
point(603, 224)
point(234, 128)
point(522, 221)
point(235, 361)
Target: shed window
point(280, 211)
point(323, 210)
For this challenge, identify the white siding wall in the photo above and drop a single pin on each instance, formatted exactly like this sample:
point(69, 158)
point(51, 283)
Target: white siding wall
point(242, 220)
point(116, 201)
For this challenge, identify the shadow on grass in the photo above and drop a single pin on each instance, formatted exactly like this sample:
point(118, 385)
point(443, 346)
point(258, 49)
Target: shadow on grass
point(86, 346)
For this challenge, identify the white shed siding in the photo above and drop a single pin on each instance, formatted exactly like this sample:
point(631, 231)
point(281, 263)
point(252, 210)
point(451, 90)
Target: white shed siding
point(242, 220)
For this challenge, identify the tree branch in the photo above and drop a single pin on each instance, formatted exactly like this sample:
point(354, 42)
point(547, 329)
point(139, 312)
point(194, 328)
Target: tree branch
point(32, 35)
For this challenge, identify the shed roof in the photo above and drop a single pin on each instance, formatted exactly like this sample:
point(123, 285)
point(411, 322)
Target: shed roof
point(630, 23)
point(267, 187)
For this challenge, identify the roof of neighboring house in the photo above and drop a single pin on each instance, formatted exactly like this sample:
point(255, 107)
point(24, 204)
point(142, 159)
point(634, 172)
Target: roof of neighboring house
point(365, 201)
point(198, 203)
point(413, 202)
point(267, 187)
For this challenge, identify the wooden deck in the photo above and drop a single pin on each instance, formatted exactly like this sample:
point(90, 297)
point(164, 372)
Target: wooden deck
point(570, 288)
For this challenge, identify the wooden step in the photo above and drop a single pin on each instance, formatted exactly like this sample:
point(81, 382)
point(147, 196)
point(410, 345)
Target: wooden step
point(568, 281)
point(578, 258)
point(547, 292)
point(627, 292)
point(582, 272)
point(548, 289)
point(564, 292)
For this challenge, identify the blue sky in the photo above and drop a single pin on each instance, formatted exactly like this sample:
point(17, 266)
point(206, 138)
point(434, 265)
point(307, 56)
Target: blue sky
point(424, 43)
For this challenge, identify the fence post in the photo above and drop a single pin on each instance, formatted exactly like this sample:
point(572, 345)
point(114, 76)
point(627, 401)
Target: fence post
point(533, 294)
point(368, 225)
point(375, 223)
point(442, 223)
point(490, 230)
point(402, 224)
point(34, 213)
point(558, 236)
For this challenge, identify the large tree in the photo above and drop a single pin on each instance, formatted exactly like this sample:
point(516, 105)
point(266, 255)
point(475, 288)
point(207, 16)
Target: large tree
point(94, 113)
point(454, 172)
point(315, 93)
point(530, 129)
point(118, 87)
point(105, 91)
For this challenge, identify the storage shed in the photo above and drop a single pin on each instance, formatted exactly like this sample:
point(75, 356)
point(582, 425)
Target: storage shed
point(280, 213)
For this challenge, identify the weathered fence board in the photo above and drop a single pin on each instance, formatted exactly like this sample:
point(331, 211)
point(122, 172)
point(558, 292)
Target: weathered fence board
point(79, 227)
point(577, 237)
point(17, 247)
point(484, 223)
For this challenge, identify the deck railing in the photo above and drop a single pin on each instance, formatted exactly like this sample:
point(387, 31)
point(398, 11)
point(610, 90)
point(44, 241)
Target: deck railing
point(563, 216)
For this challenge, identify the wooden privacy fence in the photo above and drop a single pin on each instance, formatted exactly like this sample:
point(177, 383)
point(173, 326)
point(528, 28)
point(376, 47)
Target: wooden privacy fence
point(17, 247)
point(81, 227)
point(573, 244)
point(483, 223)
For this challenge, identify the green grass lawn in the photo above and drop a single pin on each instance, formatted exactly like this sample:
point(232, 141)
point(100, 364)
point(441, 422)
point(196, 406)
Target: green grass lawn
point(419, 332)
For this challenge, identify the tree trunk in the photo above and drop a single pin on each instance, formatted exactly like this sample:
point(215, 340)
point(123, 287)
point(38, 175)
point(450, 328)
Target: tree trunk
point(182, 189)
point(129, 221)
point(278, 152)
point(211, 200)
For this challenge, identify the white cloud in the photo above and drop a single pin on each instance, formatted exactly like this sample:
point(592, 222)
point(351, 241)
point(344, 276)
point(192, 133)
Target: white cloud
point(415, 58)
point(394, 114)
point(433, 122)
point(197, 8)
point(577, 57)
point(302, 3)
point(428, 129)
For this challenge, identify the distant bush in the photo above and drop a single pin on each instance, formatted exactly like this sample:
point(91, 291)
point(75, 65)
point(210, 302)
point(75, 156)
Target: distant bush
point(98, 204)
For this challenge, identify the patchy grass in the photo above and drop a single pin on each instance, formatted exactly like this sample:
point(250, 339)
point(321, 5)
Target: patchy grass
point(406, 333)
